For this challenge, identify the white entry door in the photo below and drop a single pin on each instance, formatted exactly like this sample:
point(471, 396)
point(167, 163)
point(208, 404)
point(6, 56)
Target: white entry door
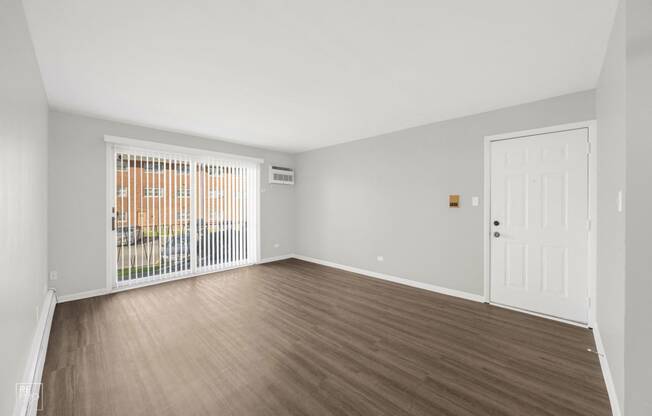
point(539, 223)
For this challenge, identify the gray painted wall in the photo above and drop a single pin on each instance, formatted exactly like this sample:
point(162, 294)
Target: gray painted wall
point(624, 113)
point(387, 195)
point(611, 116)
point(77, 181)
point(23, 197)
point(638, 293)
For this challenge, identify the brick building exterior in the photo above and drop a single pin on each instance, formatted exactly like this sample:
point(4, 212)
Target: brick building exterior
point(155, 196)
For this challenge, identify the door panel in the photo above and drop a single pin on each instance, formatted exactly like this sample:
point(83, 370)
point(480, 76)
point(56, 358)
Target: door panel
point(539, 197)
point(516, 265)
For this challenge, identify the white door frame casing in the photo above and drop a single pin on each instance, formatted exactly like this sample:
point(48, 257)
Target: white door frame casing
point(591, 127)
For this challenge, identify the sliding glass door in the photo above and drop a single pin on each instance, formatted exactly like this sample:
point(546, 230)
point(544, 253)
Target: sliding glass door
point(176, 214)
point(225, 208)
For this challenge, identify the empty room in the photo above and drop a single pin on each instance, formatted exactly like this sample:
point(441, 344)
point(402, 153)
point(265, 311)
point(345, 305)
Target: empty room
point(325, 208)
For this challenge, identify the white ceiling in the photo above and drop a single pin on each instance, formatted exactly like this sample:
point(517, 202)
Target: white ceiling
point(301, 74)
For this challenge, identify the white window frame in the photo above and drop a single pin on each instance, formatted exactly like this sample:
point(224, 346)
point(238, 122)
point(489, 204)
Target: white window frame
point(159, 192)
point(195, 155)
point(122, 167)
point(183, 193)
point(152, 167)
point(212, 172)
point(182, 170)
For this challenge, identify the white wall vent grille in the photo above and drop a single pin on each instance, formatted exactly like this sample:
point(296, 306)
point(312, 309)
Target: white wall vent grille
point(281, 175)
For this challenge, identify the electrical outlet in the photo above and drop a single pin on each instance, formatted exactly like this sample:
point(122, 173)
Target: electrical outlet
point(380, 258)
point(54, 275)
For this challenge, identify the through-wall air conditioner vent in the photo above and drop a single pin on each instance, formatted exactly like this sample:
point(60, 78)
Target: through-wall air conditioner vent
point(278, 174)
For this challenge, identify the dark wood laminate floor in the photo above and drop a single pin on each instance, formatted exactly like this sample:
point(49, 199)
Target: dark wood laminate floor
point(295, 338)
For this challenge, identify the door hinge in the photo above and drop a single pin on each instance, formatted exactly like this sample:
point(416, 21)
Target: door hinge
point(588, 225)
point(589, 301)
point(588, 148)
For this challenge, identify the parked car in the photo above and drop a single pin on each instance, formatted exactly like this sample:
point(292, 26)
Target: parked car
point(176, 252)
point(126, 236)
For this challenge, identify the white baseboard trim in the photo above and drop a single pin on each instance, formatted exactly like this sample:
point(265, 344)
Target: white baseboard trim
point(606, 373)
point(26, 405)
point(105, 291)
point(540, 315)
point(276, 258)
point(83, 295)
point(395, 279)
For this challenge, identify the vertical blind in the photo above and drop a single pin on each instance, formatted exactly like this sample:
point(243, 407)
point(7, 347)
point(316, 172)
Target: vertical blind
point(181, 214)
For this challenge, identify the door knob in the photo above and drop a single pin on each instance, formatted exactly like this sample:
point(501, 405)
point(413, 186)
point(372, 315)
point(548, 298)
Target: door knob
point(496, 223)
point(496, 234)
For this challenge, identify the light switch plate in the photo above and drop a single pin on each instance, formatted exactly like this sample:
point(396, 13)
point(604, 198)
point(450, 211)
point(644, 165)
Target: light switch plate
point(475, 201)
